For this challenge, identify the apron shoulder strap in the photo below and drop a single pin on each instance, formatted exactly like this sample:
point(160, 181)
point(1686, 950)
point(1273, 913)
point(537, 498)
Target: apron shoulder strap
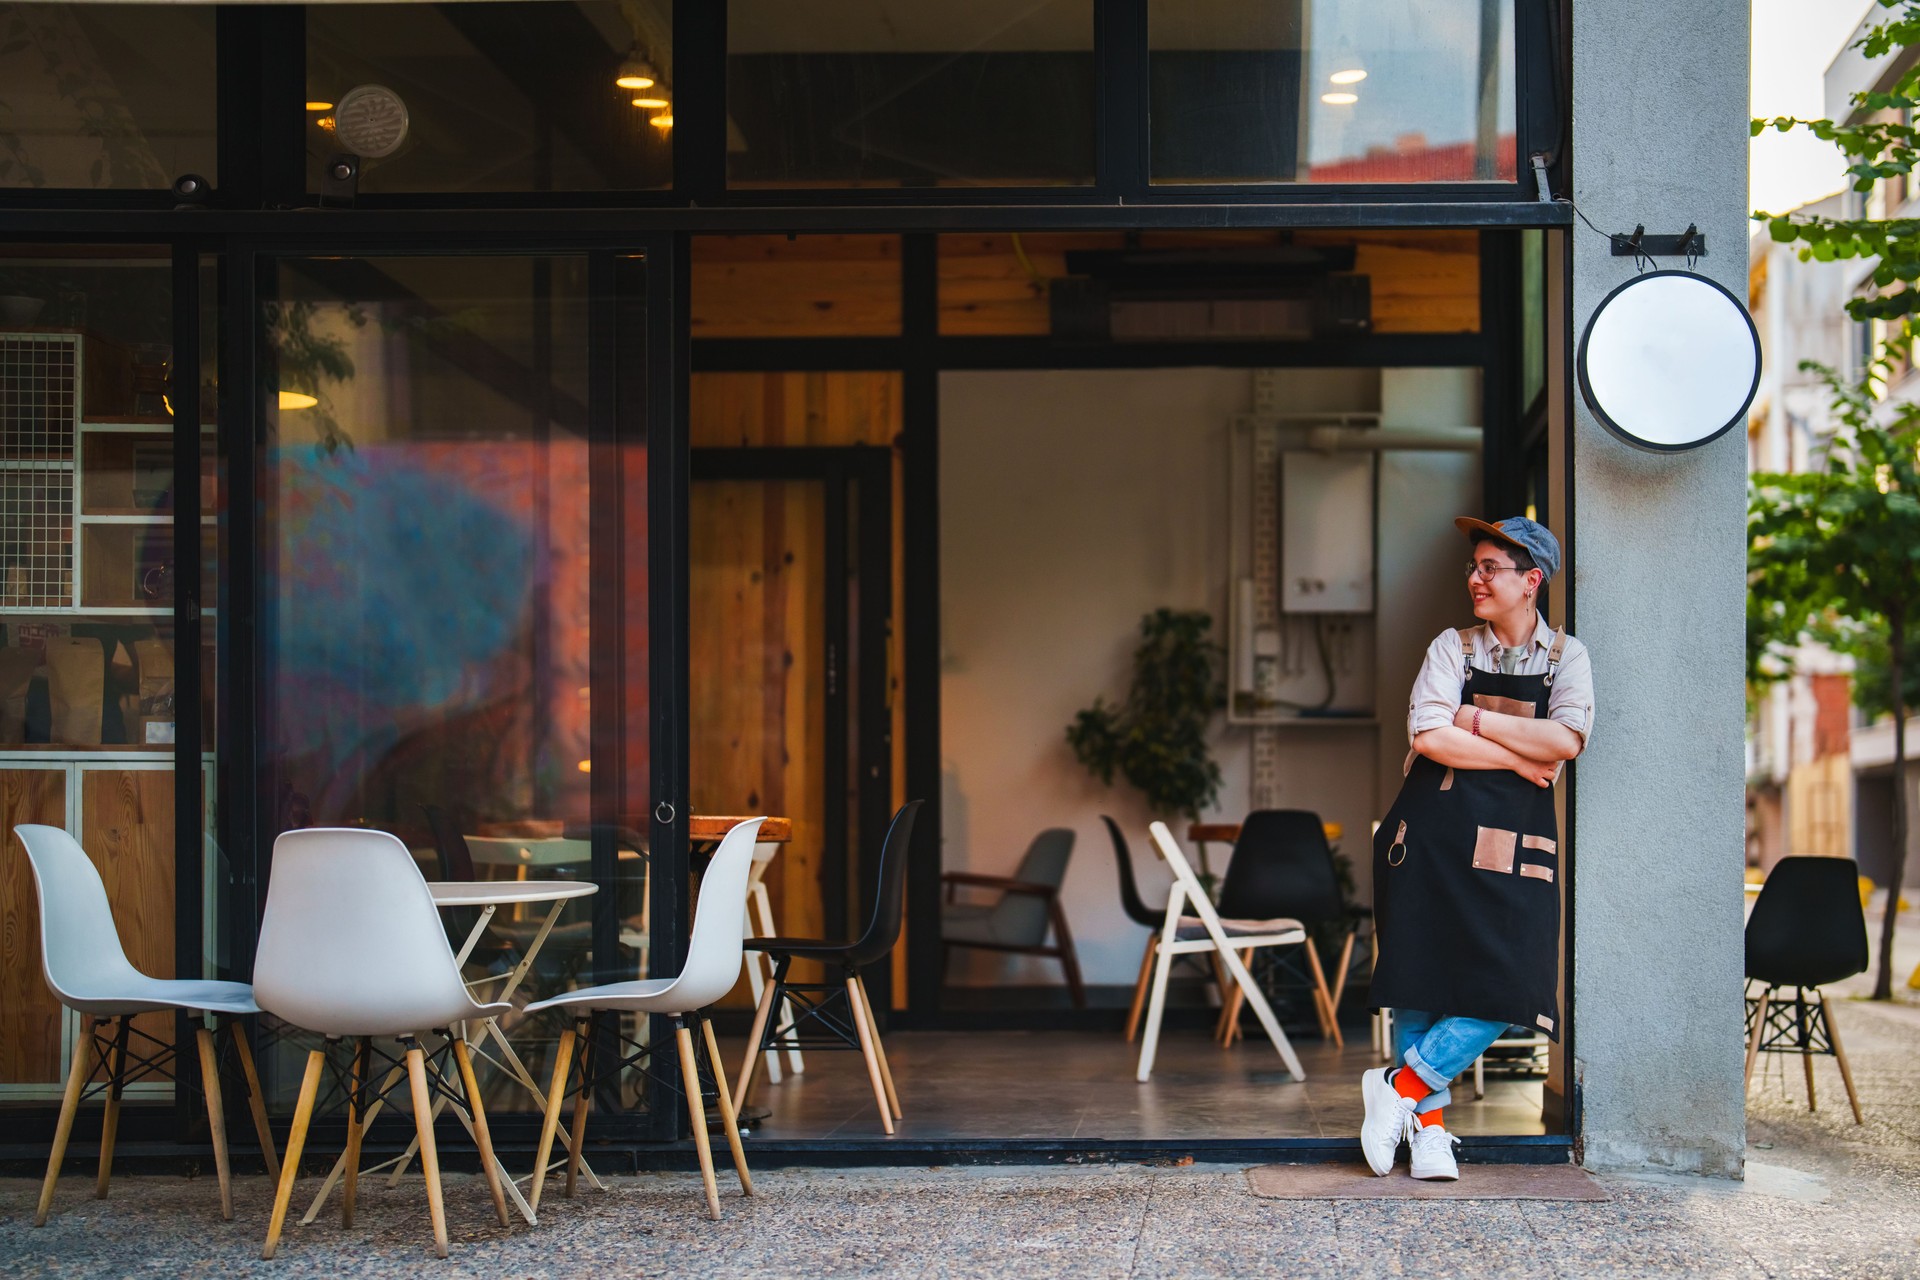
point(1466, 651)
point(1553, 654)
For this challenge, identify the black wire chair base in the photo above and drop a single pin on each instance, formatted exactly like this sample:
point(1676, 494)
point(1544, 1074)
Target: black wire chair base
point(1793, 1026)
point(823, 1018)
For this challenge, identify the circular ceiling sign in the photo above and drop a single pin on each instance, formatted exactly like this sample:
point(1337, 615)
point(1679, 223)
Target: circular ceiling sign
point(371, 121)
point(1670, 361)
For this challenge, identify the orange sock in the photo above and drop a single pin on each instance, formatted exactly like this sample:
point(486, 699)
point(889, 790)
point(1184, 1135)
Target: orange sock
point(1408, 1084)
point(1429, 1117)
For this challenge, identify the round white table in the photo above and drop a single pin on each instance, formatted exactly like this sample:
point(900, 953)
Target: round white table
point(489, 896)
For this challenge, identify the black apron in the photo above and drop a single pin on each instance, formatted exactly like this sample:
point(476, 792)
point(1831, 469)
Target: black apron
point(1465, 878)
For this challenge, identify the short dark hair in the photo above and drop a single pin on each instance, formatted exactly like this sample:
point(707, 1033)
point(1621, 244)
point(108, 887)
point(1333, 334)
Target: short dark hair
point(1522, 559)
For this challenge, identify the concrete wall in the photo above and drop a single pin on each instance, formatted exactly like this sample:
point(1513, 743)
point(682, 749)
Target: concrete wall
point(1659, 137)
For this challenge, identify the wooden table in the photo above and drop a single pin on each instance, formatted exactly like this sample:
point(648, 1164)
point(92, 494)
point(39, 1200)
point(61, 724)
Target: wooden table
point(1228, 832)
point(707, 829)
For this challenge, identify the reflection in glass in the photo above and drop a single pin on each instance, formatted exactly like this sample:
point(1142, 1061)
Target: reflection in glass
point(99, 96)
point(1326, 91)
point(896, 93)
point(89, 665)
point(427, 583)
point(510, 96)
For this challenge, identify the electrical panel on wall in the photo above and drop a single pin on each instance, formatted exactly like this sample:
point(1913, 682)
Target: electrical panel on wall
point(1326, 532)
point(1300, 632)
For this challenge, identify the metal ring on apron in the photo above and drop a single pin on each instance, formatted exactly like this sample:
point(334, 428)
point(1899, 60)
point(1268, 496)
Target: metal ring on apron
point(1400, 843)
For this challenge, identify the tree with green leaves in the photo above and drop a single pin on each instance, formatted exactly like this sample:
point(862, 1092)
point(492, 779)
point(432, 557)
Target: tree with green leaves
point(1834, 556)
point(1834, 553)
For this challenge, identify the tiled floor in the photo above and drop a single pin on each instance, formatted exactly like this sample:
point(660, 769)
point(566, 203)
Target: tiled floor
point(1072, 1084)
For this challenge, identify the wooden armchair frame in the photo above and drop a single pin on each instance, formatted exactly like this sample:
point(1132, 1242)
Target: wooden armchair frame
point(1062, 948)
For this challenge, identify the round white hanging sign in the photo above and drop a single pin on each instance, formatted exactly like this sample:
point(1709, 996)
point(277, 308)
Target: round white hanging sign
point(1670, 361)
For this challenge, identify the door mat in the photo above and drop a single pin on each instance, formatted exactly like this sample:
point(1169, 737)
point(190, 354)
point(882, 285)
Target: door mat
point(1477, 1182)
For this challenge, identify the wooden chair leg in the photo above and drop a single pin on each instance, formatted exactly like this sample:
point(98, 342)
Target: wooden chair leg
point(866, 1051)
point(77, 1073)
point(358, 1079)
point(697, 1114)
point(482, 1137)
point(879, 1047)
point(1759, 1029)
point(728, 1116)
point(1346, 965)
point(216, 1116)
point(752, 1061)
point(577, 1134)
point(1069, 961)
point(556, 1094)
point(110, 1123)
point(296, 1140)
point(1235, 1002)
point(1329, 1019)
point(1806, 1047)
point(429, 1153)
point(1840, 1056)
point(1140, 986)
point(256, 1101)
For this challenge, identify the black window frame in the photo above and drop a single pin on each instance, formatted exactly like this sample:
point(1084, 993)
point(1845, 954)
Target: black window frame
point(261, 77)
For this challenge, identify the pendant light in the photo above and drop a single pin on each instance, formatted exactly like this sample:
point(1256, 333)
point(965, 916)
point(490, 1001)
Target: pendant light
point(636, 72)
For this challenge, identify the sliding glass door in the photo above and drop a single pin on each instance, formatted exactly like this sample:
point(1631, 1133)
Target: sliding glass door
point(456, 600)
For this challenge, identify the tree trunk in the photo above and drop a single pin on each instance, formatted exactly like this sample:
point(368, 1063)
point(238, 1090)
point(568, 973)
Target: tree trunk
point(1897, 639)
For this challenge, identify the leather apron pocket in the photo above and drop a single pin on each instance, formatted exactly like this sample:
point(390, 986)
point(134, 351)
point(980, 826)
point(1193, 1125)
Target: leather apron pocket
point(1493, 849)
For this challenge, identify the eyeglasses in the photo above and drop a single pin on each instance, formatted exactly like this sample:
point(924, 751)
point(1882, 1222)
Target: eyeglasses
point(1487, 568)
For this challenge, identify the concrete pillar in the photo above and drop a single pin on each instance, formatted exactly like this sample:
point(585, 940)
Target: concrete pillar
point(1659, 137)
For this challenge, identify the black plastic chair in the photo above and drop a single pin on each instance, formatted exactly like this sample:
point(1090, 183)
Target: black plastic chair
point(1282, 866)
point(836, 1014)
point(1140, 913)
point(1807, 930)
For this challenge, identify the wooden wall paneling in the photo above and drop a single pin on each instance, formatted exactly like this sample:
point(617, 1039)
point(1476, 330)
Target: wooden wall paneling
point(807, 286)
point(126, 826)
point(757, 618)
point(1423, 281)
point(734, 410)
point(29, 1014)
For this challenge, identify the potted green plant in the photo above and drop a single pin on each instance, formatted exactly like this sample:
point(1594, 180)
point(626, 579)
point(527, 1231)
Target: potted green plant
point(1155, 739)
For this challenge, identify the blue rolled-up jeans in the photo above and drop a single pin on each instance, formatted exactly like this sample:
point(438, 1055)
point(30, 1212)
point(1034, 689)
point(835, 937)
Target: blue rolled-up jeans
point(1439, 1048)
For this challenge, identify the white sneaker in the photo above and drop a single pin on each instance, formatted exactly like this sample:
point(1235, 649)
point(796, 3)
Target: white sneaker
point(1388, 1112)
point(1433, 1153)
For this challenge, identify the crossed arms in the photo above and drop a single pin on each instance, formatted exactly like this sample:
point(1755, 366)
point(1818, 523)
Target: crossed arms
point(1534, 749)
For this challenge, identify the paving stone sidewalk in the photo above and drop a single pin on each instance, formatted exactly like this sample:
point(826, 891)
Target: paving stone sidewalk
point(1824, 1198)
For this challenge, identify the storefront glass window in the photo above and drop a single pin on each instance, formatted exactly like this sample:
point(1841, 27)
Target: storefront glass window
point(902, 93)
point(1332, 91)
point(512, 96)
point(105, 96)
point(89, 663)
point(426, 585)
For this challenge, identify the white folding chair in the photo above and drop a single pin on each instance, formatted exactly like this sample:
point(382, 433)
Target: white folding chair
point(1204, 931)
point(760, 924)
point(88, 972)
point(712, 969)
point(352, 946)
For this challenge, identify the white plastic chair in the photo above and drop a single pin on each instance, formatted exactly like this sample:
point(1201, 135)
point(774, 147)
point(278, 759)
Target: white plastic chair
point(89, 973)
point(712, 969)
point(352, 947)
point(1204, 931)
